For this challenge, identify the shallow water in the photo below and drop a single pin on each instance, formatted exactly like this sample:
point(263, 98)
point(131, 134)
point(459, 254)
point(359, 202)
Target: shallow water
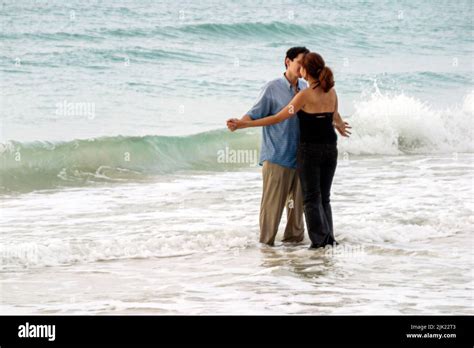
point(187, 245)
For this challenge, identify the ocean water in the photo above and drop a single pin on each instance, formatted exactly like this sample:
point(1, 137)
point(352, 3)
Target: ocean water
point(123, 192)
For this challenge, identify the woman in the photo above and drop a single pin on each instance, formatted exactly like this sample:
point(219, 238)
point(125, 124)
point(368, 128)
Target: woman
point(316, 108)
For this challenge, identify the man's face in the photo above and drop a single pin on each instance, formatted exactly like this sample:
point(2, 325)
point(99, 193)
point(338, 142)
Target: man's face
point(295, 65)
point(303, 73)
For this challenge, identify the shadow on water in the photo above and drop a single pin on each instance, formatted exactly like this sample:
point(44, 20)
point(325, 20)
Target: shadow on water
point(300, 261)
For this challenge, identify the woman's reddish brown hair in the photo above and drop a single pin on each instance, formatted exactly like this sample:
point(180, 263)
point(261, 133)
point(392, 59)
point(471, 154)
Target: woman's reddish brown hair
point(317, 69)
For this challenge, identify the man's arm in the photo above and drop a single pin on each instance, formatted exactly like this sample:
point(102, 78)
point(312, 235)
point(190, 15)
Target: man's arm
point(231, 125)
point(288, 111)
point(261, 108)
point(246, 117)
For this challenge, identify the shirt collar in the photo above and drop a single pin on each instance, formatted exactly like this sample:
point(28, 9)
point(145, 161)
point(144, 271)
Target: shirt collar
point(289, 85)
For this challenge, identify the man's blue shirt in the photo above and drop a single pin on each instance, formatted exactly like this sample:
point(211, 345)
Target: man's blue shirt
point(280, 140)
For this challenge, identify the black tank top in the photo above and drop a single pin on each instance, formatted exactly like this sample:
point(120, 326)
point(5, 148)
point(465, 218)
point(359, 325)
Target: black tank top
point(317, 128)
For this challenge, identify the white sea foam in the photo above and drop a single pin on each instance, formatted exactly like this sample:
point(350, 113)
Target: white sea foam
point(397, 124)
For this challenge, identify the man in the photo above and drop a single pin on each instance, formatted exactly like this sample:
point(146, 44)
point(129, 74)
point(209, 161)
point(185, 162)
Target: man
point(281, 186)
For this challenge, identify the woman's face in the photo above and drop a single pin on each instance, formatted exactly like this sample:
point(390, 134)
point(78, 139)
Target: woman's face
point(303, 73)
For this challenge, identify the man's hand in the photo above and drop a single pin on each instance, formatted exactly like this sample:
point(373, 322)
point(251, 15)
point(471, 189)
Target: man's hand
point(343, 128)
point(235, 123)
point(232, 124)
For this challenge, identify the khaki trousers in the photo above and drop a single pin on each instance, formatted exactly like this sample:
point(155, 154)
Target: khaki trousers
point(281, 186)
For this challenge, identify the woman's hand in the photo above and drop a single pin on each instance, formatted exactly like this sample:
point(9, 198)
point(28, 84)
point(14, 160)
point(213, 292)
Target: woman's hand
point(234, 124)
point(342, 127)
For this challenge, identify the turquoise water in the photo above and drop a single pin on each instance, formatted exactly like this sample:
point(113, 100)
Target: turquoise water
point(118, 186)
point(86, 70)
point(167, 69)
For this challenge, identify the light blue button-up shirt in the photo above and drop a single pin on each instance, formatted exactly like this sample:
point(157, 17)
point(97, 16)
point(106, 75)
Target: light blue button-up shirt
point(280, 140)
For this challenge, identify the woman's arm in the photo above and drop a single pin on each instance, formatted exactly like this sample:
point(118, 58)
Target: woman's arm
point(288, 111)
point(339, 123)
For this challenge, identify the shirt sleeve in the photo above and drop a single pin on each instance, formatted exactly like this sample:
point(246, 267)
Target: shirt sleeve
point(262, 106)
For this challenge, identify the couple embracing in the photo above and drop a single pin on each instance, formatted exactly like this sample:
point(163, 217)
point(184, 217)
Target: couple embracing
point(299, 148)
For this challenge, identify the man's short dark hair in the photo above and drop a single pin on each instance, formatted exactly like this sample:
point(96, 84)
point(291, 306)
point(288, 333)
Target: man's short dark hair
point(293, 52)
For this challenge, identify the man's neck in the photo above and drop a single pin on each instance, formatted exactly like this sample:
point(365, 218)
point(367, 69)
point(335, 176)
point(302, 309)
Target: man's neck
point(292, 79)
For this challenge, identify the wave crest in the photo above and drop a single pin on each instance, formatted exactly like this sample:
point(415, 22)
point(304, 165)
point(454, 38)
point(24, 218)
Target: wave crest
point(401, 124)
point(382, 125)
